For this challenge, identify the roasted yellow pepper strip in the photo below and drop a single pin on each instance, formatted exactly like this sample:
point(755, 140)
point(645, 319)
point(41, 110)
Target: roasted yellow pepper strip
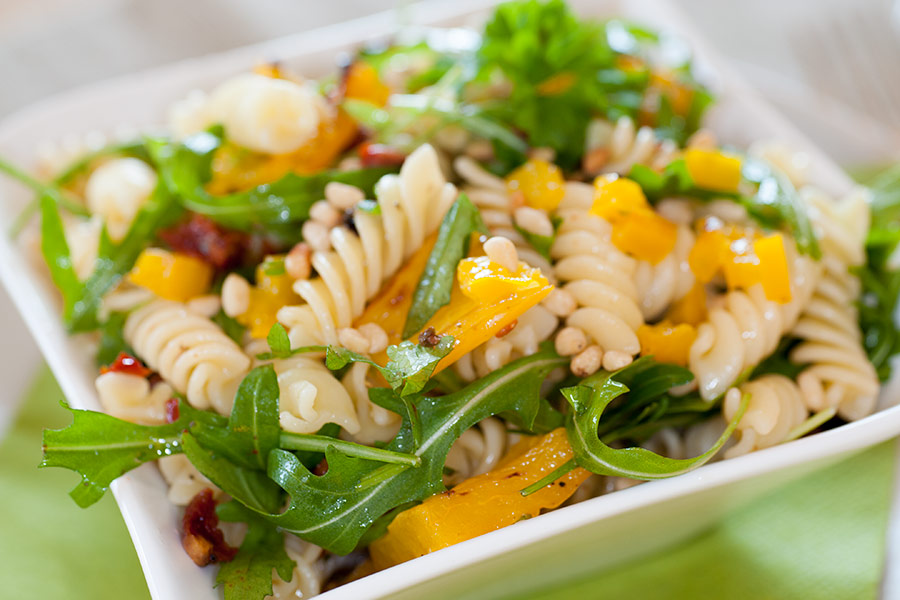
point(266, 298)
point(667, 342)
point(483, 503)
point(713, 170)
point(470, 320)
point(774, 274)
point(636, 229)
point(171, 275)
point(363, 83)
point(691, 308)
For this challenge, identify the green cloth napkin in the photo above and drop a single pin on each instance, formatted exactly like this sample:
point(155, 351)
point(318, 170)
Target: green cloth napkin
point(822, 537)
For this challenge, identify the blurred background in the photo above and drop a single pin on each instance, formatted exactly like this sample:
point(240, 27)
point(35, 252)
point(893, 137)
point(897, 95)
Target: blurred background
point(830, 65)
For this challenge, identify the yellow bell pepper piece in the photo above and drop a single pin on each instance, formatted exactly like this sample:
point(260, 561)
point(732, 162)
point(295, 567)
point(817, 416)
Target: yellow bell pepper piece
point(774, 274)
point(667, 342)
point(617, 197)
point(171, 275)
point(645, 235)
point(713, 170)
point(691, 308)
point(487, 282)
point(363, 83)
point(270, 294)
point(709, 253)
point(541, 184)
point(483, 503)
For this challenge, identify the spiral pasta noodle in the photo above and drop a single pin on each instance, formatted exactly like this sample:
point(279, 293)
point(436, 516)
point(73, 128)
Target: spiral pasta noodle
point(412, 205)
point(840, 375)
point(131, 397)
point(310, 397)
point(189, 351)
point(376, 424)
point(743, 327)
point(669, 280)
point(308, 576)
point(600, 278)
point(478, 450)
point(623, 145)
point(776, 406)
point(184, 480)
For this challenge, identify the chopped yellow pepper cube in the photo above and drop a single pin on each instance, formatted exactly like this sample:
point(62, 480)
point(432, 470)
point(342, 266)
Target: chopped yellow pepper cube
point(483, 503)
point(617, 197)
point(775, 277)
point(645, 235)
point(709, 253)
point(487, 282)
point(541, 184)
point(667, 342)
point(713, 170)
point(270, 294)
point(363, 83)
point(691, 308)
point(171, 275)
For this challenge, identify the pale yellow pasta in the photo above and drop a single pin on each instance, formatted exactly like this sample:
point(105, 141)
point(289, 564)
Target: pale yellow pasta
point(354, 269)
point(669, 280)
point(184, 480)
point(627, 145)
point(310, 397)
point(478, 450)
point(776, 406)
point(189, 351)
point(309, 572)
point(743, 327)
point(600, 278)
point(131, 397)
point(116, 190)
point(376, 424)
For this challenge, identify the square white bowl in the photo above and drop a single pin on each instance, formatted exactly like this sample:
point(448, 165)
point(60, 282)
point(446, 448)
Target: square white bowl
point(567, 542)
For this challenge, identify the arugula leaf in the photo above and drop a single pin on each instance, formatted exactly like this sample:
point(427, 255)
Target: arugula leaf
point(256, 491)
point(541, 243)
point(112, 339)
point(278, 341)
point(336, 509)
point(253, 429)
point(230, 326)
point(57, 256)
point(880, 276)
point(409, 365)
point(185, 168)
point(434, 287)
point(776, 202)
point(115, 260)
point(589, 400)
point(101, 448)
point(51, 190)
point(249, 574)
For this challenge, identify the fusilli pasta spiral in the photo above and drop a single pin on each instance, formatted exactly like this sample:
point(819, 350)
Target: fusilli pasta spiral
point(669, 280)
point(189, 351)
point(131, 398)
point(311, 397)
point(309, 571)
point(624, 145)
point(376, 424)
point(776, 407)
point(743, 327)
point(412, 206)
point(477, 451)
point(184, 480)
point(600, 278)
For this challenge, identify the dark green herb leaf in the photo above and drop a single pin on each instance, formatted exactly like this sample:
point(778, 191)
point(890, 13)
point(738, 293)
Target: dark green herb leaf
point(230, 326)
point(434, 287)
point(336, 509)
point(249, 575)
point(253, 429)
point(101, 448)
point(589, 400)
point(278, 341)
point(56, 253)
point(112, 339)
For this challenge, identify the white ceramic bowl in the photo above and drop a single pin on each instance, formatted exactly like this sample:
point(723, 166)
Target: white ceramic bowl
point(564, 543)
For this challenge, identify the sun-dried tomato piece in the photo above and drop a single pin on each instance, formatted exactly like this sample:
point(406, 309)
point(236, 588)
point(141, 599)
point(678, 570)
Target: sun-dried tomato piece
point(203, 540)
point(380, 155)
point(208, 241)
point(126, 363)
point(172, 411)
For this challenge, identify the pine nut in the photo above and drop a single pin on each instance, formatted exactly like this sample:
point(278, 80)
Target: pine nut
point(343, 196)
point(316, 235)
point(615, 360)
point(533, 220)
point(378, 339)
point(570, 341)
point(325, 213)
point(503, 252)
point(587, 362)
point(296, 263)
point(235, 295)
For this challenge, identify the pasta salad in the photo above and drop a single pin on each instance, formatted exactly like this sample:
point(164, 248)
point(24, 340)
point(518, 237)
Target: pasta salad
point(469, 278)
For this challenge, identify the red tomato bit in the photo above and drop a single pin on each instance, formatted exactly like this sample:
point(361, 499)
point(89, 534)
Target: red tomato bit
point(380, 155)
point(126, 363)
point(172, 412)
point(203, 540)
